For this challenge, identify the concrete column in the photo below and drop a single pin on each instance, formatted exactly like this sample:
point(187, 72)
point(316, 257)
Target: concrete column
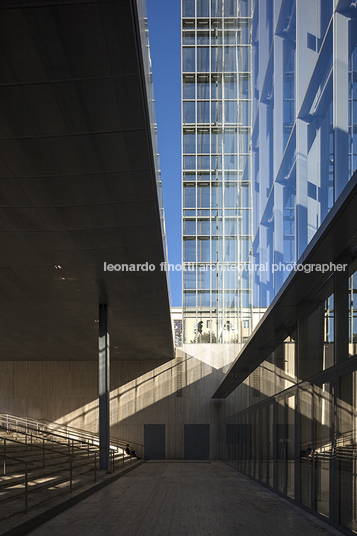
point(104, 388)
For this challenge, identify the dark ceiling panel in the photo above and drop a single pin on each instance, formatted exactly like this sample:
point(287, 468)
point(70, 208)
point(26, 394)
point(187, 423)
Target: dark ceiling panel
point(77, 185)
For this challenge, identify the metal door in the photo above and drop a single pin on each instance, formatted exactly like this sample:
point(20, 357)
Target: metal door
point(196, 441)
point(154, 441)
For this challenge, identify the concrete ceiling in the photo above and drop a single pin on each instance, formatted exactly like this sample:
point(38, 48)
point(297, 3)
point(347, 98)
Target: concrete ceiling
point(77, 185)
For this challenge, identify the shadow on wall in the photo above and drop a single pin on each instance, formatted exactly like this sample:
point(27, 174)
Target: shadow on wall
point(142, 392)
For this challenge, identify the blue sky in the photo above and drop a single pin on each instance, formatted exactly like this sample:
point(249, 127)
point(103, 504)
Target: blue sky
point(164, 34)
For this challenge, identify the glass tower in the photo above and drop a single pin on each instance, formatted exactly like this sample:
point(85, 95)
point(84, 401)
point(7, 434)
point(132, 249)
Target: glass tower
point(217, 194)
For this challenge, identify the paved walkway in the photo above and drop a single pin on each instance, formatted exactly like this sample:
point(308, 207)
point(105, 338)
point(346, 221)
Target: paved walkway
point(183, 499)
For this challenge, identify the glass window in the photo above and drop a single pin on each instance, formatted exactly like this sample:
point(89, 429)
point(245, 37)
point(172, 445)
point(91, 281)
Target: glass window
point(231, 249)
point(216, 59)
point(216, 164)
point(189, 162)
point(244, 196)
point(288, 89)
point(189, 299)
point(203, 250)
point(230, 299)
point(189, 227)
point(203, 59)
point(216, 141)
point(203, 162)
point(352, 315)
point(189, 142)
point(203, 277)
point(202, 8)
point(216, 226)
point(244, 139)
point(230, 161)
point(230, 86)
point(217, 249)
point(188, 112)
point(216, 86)
point(245, 280)
point(230, 141)
point(230, 226)
point(188, 8)
point(189, 279)
point(245, 8)
point(352, 121)
point(203, 176)
point(230, 37)
point(188, 37)
point(243, 59)
point(345, 452)
point(245, 298)
point(216, 8)
point(245, 222)
point(203, 38)
point(203, 141)
point(244, 113)
point(203, 301)
point(243, 35)
point(203, 191)
point(203, 87)
point(216, 112)
point(230, 8)
point(189, 250)
point(216, 193)
point(230, 59)
point(188, 87)
point(230, 277)
point(230, 112)
point(188, 59)
point(245, 244)
point(329, 333)
point(189, 176)
point(203, 112)
point(203, 227)
point(244, 86)
point(189, 196)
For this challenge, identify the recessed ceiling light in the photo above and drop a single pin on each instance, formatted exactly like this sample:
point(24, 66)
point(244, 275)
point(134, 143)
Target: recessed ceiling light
point(58, 267)
point(96, 320)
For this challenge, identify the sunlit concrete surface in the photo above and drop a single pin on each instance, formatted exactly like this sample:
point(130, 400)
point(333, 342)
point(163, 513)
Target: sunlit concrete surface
point(183, 498)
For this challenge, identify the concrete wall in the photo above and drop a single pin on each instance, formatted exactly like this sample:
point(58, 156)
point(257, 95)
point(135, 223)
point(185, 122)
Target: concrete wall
point(174, 393)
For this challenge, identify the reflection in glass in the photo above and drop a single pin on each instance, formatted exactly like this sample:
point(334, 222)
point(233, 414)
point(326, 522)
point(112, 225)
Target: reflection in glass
point(345, 449)
point(352, 324)
point(322, 452)
point(329, 333)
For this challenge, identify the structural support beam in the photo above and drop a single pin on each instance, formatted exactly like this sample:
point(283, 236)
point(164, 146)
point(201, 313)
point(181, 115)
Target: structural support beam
point(104, 388)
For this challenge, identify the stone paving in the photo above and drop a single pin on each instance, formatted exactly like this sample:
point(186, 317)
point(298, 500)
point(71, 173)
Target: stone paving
point(175, 498)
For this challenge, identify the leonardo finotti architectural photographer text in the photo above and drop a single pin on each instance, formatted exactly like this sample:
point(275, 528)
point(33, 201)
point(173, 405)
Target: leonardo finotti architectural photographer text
point(281, 267)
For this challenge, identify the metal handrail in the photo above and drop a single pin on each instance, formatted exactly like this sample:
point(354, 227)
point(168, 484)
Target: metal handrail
point(26, 463)
point(43, 448)
point(89, 445)
point(40, 425)
point(84, 433)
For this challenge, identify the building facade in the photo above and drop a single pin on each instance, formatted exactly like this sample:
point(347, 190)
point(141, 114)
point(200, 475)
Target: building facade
point(217, 195)
point(289, 418)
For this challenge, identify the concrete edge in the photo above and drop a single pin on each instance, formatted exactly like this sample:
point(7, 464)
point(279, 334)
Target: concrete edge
point(40, 519)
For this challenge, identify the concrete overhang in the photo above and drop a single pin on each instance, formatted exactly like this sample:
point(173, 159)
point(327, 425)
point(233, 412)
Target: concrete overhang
point(78, 184)
point(335, 240)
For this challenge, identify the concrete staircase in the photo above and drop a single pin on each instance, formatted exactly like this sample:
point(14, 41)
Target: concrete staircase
point(58, 467)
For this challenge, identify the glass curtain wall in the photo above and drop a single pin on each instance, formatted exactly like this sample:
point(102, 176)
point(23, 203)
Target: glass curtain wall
point(297, 433)
point(216, 132)
point(304, 135)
